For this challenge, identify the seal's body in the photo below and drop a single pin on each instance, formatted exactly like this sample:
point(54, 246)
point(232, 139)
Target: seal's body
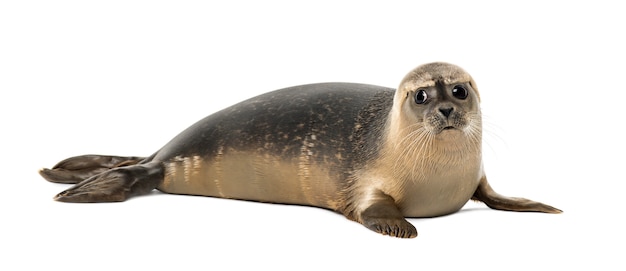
point(372, 153)
point(297, 145)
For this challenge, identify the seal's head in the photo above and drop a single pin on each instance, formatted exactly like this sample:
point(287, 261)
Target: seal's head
point(439, 99)
point(435, 118)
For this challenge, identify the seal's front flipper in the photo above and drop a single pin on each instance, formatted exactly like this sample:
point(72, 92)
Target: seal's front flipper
point(76, 169)
point(383, 216)
point(486, 194)
point(117, 184)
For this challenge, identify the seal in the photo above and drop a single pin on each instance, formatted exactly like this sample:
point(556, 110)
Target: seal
point(374, 154)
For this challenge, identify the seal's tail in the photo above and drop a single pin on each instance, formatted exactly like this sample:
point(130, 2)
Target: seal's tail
point(76, 169)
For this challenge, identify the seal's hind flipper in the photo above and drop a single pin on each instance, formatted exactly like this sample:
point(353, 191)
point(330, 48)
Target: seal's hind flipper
point(76, 169)
point(117, 184)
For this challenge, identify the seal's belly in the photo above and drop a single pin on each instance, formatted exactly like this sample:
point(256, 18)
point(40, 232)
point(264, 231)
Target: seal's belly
point(438, 196)
point(250, 176)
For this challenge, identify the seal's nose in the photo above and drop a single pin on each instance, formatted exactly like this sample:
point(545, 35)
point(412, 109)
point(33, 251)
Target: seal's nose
point(446, 111)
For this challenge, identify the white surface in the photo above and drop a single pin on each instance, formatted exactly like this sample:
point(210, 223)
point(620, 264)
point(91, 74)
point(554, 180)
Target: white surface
point(124, 77)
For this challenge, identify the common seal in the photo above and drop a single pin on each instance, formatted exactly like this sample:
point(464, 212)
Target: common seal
point(371, 153)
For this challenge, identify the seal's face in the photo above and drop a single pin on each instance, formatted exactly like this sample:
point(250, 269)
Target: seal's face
point(442, 107)
point(441, 99)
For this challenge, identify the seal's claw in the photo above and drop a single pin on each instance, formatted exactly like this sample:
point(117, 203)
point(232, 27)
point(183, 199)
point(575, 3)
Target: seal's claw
point(76, 169)
point(392, 227)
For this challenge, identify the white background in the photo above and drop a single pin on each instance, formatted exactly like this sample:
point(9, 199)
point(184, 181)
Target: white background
point(124, 77)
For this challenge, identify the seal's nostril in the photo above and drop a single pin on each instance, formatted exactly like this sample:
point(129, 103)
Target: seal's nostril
point(446, 111)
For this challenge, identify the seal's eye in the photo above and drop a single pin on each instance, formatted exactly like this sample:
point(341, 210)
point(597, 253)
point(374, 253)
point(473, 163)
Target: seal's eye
point(459, 92)
point(421, 96)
